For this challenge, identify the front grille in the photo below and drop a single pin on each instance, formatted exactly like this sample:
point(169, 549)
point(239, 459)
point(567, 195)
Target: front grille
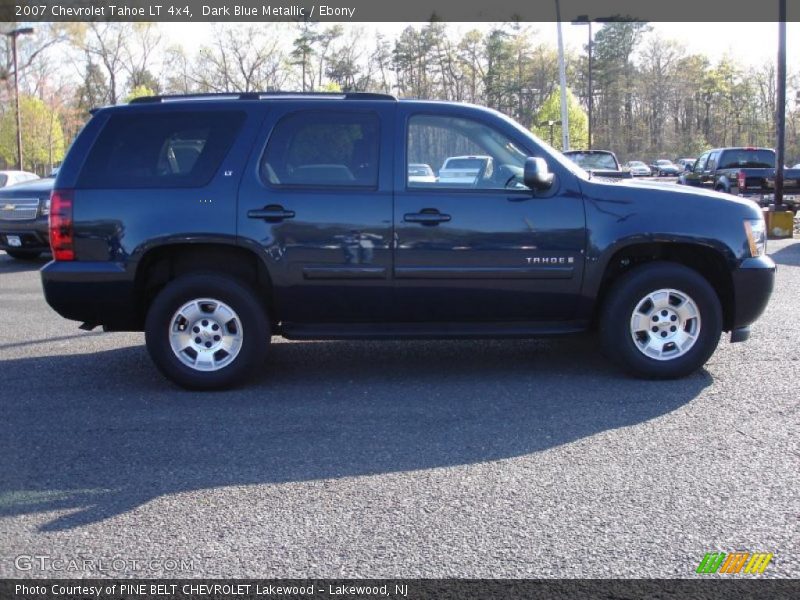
point(19, 209)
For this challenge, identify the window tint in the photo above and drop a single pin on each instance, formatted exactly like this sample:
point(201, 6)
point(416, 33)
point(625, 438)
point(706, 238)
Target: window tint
point(462, 154)
point(313, 148)
point(175, 149)
point(754, 159)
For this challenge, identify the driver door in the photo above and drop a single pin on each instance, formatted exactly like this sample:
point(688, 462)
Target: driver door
point(487, 248)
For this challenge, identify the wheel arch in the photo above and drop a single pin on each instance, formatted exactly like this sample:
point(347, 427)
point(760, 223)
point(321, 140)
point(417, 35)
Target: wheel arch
point(708, 261)
point(163, 263)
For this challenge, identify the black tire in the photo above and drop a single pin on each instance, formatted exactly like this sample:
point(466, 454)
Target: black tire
point(24, 254)
point(624, 297)
point(255, 330)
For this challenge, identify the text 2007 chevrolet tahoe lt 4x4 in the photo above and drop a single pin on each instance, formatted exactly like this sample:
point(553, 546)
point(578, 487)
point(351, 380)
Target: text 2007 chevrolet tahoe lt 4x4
point(212, 223)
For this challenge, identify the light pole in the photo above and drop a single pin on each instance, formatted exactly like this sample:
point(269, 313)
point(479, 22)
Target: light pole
point(14, 34)
point(584, 20)
point(552, 125)
point(562, 75)
point(780, 120)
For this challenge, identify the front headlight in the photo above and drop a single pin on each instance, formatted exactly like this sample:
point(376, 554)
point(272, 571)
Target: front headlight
point(46, 207)
point(756, 231)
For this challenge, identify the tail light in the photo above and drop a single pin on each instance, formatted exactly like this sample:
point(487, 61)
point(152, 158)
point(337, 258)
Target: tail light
point(740, 180)
point(61, 230)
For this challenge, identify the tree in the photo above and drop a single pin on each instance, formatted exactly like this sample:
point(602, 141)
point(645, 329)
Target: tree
point(140, 91)
point(551, 111)
point(93, 92)
point(42, 136)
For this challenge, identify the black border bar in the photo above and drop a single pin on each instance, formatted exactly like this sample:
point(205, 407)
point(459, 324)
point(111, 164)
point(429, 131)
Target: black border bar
point(711, 11)
point(710, 588)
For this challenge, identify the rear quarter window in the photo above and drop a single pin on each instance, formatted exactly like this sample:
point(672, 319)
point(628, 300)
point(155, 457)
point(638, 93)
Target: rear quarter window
point(160, 150)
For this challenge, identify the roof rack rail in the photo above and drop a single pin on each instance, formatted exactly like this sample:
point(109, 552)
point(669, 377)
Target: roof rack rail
point(262, 96)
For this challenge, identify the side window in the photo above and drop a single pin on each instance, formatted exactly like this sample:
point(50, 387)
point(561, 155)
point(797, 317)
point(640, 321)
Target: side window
point(712, 161)
point(700, 165)
point(450, 152)
point(314, 148)
point(169, 149)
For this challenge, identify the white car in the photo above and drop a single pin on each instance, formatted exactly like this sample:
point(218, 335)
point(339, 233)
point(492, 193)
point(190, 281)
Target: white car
point(465, 170)
point(797, 166)
point(8, 178)
point(637, 168)
point(420, 173)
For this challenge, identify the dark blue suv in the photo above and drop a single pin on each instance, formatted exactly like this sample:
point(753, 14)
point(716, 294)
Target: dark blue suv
point(214, 222)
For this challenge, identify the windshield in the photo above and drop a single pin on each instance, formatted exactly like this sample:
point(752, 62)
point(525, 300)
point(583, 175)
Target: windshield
point(419, 170)
point(3, 179)
point(593, 160)
point(464, 163)
point(664, 163)
point(637, 163)
point(732, 159)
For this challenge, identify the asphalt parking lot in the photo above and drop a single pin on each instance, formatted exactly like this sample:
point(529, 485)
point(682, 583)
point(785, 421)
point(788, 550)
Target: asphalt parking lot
point(413, 459)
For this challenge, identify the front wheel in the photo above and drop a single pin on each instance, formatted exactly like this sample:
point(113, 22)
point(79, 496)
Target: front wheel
point(661, 320)
point(206, 331)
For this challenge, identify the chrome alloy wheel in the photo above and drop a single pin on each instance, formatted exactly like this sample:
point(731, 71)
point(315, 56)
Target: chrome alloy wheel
point(665, 324)
point(205, 334)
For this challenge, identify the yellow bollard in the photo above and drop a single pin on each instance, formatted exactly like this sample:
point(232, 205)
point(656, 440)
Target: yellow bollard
point(780, 224)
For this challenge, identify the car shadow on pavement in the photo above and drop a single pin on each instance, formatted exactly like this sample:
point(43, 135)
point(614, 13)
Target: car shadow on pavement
point(98, 435)
point(12, 265)
point(788, 255)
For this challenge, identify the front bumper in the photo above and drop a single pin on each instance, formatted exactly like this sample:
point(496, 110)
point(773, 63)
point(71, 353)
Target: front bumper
point(33, 234)
point(753, 282)
point(97, 293)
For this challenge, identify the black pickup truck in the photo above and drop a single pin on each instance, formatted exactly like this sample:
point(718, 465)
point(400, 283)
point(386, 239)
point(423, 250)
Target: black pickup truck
point(211, 223)
point(746, 172)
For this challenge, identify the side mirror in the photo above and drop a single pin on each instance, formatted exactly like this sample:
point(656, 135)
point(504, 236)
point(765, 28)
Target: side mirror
point(536, 175)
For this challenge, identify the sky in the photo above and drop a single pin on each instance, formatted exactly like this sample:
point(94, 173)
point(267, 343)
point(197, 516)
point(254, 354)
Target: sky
point(746, 43)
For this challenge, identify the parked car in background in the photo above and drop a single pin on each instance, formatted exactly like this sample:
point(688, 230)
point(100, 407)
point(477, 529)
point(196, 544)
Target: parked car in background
point(459, 170)
point(665, 168)
point(420, 173)
point(744, 171)
point(685, 163)
point(797, 166)
point(602, 163)
point(637, 168)
point(24, 210)
point(9, 178)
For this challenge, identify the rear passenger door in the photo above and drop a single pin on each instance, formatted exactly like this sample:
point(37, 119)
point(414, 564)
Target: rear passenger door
point(316, 201)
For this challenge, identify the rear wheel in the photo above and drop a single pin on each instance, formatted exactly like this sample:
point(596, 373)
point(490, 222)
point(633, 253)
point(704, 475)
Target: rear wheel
point(661, 320)
point(206, 331)
point(24, 254)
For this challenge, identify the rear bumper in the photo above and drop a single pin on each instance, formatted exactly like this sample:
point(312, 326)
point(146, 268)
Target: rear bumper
point(34, 235)
point(97, 293)
point(753, 282)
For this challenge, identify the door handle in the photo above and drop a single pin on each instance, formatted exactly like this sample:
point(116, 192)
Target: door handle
point(427, 216)
point(272, 213)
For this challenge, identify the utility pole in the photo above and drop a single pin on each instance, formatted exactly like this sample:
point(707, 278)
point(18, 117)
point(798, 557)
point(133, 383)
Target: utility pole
point(14, 34)
point(585, 20)
point(562, 74)
point(780, 120)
